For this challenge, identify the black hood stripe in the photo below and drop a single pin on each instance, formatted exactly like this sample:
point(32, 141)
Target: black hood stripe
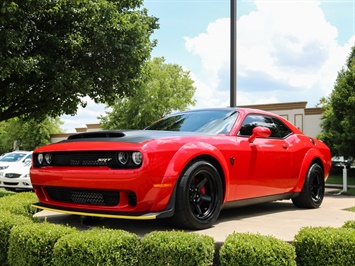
point(132, 136)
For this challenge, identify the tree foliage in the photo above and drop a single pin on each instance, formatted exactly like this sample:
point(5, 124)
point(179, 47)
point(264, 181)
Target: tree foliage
point(165, 88)
point(55, 52)
point(29, 134)
point(338, 118)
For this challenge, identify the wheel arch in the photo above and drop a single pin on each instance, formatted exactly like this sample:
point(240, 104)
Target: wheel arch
point(313, 156)
point(200, 151)
point(213, 161)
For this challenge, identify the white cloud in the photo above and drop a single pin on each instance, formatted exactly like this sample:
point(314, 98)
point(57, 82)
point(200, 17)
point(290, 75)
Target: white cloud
point(84, 116)
point(286, 51)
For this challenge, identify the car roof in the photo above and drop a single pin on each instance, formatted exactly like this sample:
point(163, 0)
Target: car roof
point(244, 110)
point(19, 151)
point(241, 109)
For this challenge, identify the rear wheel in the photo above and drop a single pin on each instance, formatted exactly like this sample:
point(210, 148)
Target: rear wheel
point(199, 196)
point(312, 193)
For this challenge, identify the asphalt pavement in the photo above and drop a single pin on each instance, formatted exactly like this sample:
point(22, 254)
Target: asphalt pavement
point(280, 219)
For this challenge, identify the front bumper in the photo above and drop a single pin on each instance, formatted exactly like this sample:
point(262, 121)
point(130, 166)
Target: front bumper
point(16, 183)
point(168, 212)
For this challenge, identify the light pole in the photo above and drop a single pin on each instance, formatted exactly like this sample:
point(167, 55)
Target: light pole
point(233, 54)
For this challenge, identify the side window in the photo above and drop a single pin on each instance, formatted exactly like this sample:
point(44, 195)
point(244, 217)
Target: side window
point(277, 128)
point(283, 130)
point(254, 120)
point(247, 126)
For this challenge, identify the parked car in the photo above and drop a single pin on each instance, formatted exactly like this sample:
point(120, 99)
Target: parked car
point(340, 162)
point(14, 158)
point(186, 167)
point(17, 177)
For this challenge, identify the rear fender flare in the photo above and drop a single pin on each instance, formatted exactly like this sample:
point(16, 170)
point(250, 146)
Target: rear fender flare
point(310, 156)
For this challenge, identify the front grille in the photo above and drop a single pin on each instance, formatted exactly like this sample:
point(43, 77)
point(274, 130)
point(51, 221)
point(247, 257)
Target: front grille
point(84, 158)
point(10, 184)
point(11, 175)
point(87, 197)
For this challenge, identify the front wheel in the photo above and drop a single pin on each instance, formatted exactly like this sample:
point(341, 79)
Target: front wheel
point(312, 193)
point(199, 196)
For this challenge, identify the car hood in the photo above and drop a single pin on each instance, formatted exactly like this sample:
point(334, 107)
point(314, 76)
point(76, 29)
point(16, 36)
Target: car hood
point(133, 136)
point(19, 169)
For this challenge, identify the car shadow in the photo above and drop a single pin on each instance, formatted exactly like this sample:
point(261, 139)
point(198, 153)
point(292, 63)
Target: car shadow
point(142, 228)
point(240, 213)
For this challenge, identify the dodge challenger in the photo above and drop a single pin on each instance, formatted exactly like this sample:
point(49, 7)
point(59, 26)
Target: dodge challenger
point(186, 167)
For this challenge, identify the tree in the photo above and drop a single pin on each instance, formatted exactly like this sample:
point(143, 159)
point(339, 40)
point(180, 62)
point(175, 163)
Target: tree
point(29, 134)
point(338, 119)
point(55, 52)
point(165, 88)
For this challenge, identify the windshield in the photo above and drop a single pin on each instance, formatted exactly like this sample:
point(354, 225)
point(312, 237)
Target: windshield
point(12, 157)
point(207, 121)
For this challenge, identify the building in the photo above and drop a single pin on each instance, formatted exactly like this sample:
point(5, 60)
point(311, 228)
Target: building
point(306, 119)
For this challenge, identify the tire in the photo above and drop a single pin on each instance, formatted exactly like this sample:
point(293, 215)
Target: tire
point(199, 196)
point(312, 193)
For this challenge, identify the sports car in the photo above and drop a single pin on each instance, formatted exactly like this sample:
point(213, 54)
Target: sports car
point(186, 167)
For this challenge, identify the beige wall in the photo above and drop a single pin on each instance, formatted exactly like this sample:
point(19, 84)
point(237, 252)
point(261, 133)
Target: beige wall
point(306, 119)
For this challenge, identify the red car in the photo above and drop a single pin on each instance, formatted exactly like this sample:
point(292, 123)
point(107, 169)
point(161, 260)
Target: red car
point(186, 166)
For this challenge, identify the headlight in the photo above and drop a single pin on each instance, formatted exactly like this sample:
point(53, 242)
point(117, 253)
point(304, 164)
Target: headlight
point(137, 157)
point(48, 158)
point(123, 157)
point(40, 158)
point(4, 167)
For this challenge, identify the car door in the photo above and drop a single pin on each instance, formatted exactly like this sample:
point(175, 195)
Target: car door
point(263, 166)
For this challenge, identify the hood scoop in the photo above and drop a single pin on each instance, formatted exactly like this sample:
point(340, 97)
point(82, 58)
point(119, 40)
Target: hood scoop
point(95, 135)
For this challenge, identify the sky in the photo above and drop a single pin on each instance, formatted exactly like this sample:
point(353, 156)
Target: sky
point(287, 50)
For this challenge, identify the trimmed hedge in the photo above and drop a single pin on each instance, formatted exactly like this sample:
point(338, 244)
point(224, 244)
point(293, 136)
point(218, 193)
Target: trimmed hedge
point(32, 244)
point(349, 224)
point(19, 203)
point(255, 249)
point(7, 222)
point(97, 247)
point(161, 248)
point(325, 246)
point(24, 242)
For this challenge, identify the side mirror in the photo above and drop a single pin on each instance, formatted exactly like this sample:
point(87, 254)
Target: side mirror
point(27, 162)
point(259, 132)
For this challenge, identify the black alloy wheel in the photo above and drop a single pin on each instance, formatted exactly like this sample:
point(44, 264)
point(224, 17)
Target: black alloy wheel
point(199, 196)
point(312, 193)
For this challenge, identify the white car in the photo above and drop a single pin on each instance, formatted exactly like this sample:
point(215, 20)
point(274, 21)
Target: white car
point(15, 171)
point(14, 158)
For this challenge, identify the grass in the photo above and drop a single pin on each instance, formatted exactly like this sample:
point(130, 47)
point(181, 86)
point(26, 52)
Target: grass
point(5, 193)
point(336, 177)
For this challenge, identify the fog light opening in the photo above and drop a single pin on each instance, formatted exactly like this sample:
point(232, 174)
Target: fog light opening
point(132, 199)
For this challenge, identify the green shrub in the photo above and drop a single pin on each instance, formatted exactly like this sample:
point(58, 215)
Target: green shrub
point(4, 193)
point(325, 246)
point(176, 248)
point(19, 203)
point(7, 222)
point(97, 247)
point(349, 224)
point(254, 249)
point(32, 244)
